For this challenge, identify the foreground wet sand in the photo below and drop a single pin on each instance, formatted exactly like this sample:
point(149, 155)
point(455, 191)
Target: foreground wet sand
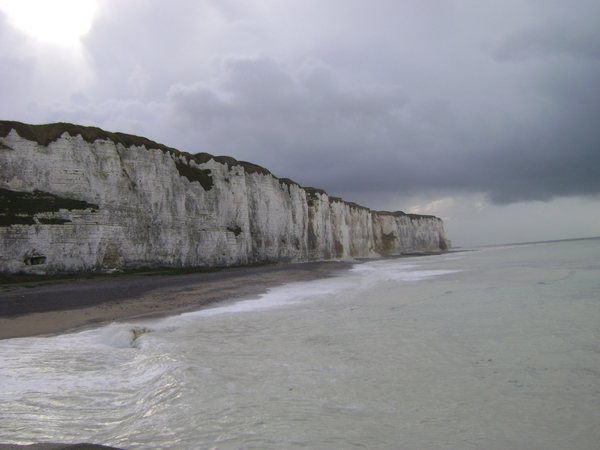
point(70, 305)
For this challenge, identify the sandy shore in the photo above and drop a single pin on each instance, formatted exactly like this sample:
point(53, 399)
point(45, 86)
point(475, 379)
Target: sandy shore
point(69, 305)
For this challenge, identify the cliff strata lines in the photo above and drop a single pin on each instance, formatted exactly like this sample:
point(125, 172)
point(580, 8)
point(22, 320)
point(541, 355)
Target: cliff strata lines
point(76, 198)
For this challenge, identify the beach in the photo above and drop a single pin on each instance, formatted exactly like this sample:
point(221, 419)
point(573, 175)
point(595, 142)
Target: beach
point(494, 349)
point(36, 309)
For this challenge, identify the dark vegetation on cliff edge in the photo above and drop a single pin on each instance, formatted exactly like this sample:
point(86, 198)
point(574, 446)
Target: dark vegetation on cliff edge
point(402, 213)
point(20, 208)
point(47, 133)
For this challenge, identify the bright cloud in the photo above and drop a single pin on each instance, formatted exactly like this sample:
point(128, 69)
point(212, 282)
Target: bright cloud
point(56, 21)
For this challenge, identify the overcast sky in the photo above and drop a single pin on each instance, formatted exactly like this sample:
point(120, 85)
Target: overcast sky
point(485, 113)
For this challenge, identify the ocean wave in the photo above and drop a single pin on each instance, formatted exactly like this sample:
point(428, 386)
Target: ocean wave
point(122, 335)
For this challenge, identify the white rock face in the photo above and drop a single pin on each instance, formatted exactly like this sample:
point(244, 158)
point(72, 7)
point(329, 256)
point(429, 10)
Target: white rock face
point(136, 207)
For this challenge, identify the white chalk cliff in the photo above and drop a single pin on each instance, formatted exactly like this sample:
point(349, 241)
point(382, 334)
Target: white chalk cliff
point(76, 198)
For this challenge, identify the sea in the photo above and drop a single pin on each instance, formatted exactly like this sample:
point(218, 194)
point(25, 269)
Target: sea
point(492, 348)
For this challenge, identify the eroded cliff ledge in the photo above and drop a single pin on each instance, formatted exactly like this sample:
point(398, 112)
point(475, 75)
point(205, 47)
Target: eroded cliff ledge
point(76, 198)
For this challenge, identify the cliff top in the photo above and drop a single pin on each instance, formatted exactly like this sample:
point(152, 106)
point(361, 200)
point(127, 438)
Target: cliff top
point(48, 133)
point(402, 213)
point(45, 134)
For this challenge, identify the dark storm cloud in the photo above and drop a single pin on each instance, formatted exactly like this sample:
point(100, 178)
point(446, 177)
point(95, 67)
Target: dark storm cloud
point(500, 98)
point(380, 139)
point(541, 42)
point(267, 111)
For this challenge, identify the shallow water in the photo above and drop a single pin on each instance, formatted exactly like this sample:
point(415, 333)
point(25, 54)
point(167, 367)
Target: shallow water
point(492, 349)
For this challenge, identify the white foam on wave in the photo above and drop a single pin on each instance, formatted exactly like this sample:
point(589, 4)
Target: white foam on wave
point(86, 361)
point(422, 274)
point(122, 335)
point(361, 276)
point(383, 271)
point(280, 296)
point(134, 333)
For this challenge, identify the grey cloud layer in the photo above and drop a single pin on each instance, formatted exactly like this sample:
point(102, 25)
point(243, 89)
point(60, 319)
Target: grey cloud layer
point(500, 98)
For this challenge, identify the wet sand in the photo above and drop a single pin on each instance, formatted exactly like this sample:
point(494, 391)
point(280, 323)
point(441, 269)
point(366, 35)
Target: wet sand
point(69, 305)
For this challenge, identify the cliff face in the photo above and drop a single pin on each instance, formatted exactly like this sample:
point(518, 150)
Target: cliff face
point(78, 198)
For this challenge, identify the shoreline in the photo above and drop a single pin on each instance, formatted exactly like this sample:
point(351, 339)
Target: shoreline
point(70, 305)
